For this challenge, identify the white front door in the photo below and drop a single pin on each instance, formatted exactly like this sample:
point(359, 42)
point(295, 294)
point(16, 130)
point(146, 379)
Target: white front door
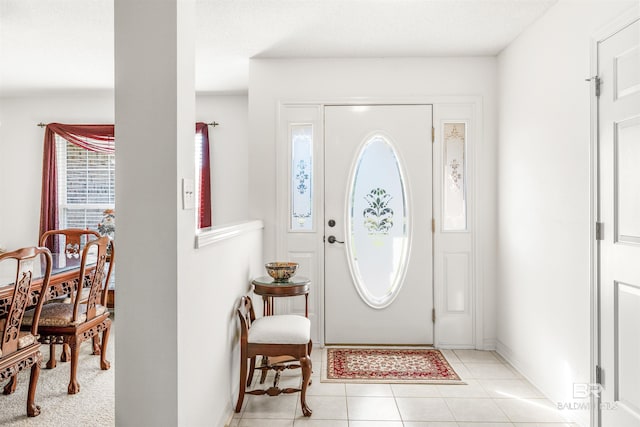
point(619, 212)
point(378, 224)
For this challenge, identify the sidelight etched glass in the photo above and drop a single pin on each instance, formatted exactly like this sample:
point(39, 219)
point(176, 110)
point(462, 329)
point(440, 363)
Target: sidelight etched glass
point(301, 177)
point(454, 179)
point(378, 223)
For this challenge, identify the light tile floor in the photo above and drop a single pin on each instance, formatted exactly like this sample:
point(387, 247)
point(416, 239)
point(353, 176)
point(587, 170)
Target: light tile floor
point(495, 395)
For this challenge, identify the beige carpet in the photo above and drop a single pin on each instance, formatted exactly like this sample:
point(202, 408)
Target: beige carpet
point(93, 406)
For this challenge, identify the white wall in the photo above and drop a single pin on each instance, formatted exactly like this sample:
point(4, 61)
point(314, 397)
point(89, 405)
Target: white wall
point(210, 356)
point(544, 197)
point(229, 154)
point(392, 80)
point(21, 144)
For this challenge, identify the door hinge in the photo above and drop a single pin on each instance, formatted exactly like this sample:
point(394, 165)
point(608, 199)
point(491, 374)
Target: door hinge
point(598, 375)
point(433, 134)
point(433, 225)
point(433, 315)
point(596, 82)
point(599, 231)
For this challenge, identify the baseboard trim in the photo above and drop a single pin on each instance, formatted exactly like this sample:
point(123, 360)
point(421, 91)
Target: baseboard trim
point(455, 346)
point(489, 344)
point(229, 420)
point(582, 419)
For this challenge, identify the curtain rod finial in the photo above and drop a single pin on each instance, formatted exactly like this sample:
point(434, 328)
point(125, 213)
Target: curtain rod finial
point(214, 124)
point(42, 124)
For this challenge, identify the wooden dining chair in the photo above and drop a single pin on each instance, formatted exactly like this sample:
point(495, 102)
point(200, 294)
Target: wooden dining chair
point(20, 350)
point(71, 324)
point(280, 340)
point(70, 242)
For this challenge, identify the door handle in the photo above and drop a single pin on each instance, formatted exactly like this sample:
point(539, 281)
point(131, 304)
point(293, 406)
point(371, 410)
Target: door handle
point(332, 239)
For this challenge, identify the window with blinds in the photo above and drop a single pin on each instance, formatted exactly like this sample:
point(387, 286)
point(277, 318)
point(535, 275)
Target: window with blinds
point(86, 185)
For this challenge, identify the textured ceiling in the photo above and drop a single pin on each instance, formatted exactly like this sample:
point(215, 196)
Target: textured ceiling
point(68, 44)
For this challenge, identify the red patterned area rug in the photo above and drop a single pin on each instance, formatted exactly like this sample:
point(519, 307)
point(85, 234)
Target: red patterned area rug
point(383, 365)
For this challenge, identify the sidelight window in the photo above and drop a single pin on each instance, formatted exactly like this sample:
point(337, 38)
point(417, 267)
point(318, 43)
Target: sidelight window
point(301, 137)
point(455, 177)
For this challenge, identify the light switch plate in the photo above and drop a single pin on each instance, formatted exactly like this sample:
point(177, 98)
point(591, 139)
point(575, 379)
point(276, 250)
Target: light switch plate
point(188, 194)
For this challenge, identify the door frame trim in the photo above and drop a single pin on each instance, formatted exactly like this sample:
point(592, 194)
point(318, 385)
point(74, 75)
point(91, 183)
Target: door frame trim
point(479, 259)
point(608, 30)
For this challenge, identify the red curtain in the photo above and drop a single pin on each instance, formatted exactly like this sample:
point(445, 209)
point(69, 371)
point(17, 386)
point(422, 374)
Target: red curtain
point(49, 196)
point(204, 208)
point(100, 138)
point(91, 137)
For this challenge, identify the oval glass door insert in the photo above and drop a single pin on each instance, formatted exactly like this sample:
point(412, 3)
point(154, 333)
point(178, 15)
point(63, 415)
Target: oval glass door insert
point(377, 223)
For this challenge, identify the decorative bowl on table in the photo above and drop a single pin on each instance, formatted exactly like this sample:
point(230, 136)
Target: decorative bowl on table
point(281, 271)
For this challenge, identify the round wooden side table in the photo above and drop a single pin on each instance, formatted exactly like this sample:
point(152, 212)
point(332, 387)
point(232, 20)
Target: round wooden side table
point(269, 289)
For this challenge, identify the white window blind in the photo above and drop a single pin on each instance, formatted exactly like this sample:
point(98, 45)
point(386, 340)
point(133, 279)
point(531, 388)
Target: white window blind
point(86, 185)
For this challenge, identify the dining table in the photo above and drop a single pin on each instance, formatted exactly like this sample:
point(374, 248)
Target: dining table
point(63, 281)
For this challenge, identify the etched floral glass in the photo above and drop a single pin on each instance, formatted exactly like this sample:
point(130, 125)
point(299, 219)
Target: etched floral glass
point(454, 179)
point(378, 223)
point(301, 177)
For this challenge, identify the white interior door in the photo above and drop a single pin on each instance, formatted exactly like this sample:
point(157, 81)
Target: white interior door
point(619, 210)
point(378, 224)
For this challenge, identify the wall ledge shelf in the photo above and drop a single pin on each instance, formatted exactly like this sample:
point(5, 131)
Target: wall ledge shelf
point(216, 234)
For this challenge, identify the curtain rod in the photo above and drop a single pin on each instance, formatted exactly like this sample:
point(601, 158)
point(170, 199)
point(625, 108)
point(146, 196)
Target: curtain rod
point(214, 124)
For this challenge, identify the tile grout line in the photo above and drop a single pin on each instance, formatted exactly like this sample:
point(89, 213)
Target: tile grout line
point(395, 400)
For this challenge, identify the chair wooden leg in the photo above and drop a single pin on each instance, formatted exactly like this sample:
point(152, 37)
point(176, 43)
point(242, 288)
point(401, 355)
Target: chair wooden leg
point(11, 385)
point(309, 347)
point(74, 387)
point(104, 363)
point(65, 355)
point(305, 363)
point(252, 368)
point(243, 380)
point(51, 363)
point(263, 373)
point(96, 345)
point(33, 410)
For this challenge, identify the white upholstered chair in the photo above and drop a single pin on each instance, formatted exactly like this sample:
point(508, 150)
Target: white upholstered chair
point(284, 342)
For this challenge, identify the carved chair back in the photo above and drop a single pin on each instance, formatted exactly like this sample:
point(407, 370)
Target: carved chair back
point(20, 351)
point(75, 239)
point(247, 316)
point(29, 261)
point(95, 279)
